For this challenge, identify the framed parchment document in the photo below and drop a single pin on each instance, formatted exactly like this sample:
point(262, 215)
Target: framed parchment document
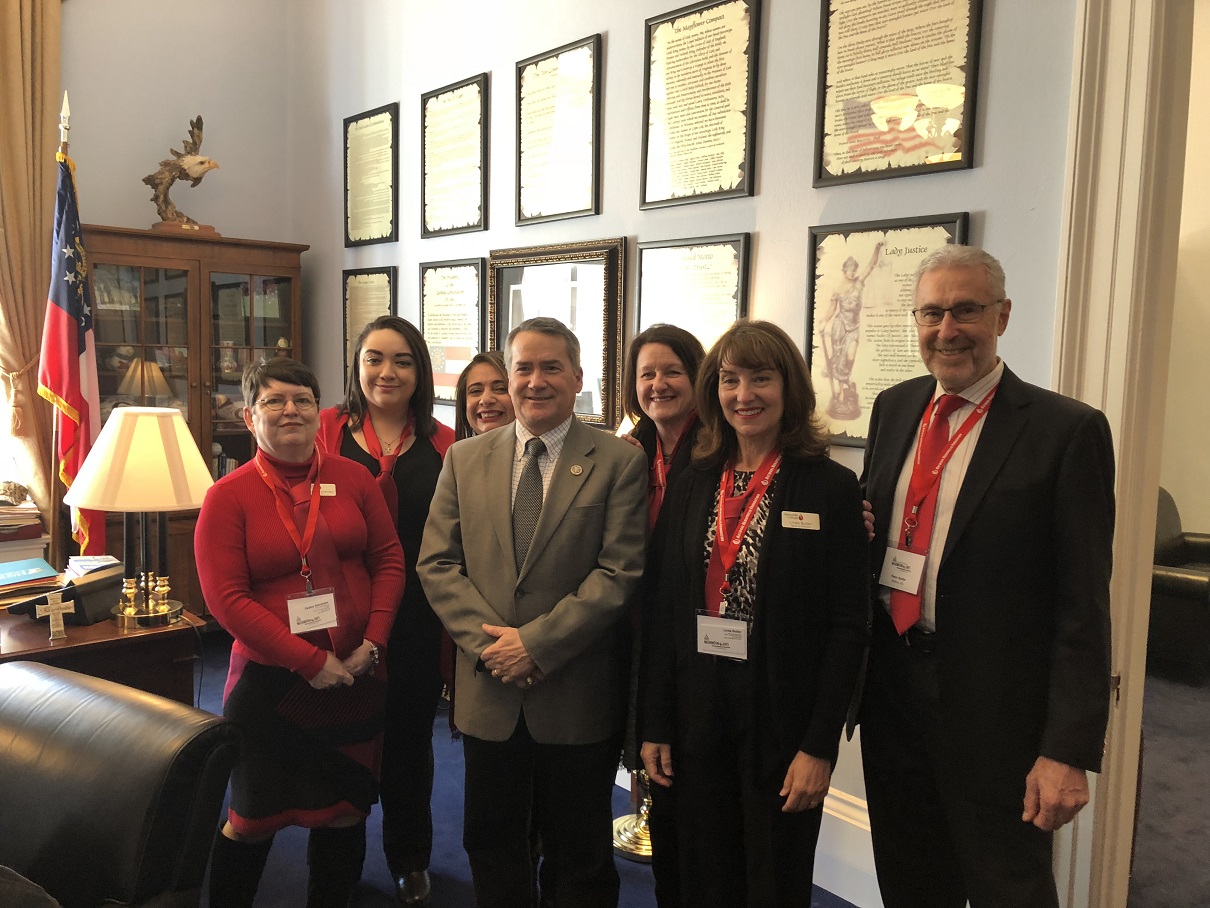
point(896, 88)
point(699, 104)
point(700, 284)
point(862, 338)
point(368, 293)
point(451, 318)
point(453, 166)
point(558, 133)
point(582, 285)
point(371, 175)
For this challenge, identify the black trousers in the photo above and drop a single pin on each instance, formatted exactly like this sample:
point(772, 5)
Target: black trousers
point(737, 848)
point(573, 813)
point(934, 845)
point(413, 692)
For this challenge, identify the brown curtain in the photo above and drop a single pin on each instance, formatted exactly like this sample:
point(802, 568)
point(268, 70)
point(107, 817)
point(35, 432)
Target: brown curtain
point(29, 115)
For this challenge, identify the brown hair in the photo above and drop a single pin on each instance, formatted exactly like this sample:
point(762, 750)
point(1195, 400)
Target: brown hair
point(423, 423)
point(462, 426)
point(757, 345)
point(686, 347)
point(259, 372)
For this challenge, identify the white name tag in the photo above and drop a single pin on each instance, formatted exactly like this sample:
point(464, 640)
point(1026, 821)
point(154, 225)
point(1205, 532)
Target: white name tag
point(326, 489)
point(722, 637)
point(902, 571)
point(799, 520)
point(312, 612)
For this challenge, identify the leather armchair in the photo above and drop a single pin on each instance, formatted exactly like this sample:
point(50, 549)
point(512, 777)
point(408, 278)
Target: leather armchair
point(106, 792)
point(1178, 643)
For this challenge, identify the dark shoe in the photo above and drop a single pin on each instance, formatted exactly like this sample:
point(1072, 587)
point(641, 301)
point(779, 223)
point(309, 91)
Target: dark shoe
point(413, 888)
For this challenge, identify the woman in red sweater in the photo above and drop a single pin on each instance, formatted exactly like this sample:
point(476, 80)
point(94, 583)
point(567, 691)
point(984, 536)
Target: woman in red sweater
point(298, 561)
point(386, 424)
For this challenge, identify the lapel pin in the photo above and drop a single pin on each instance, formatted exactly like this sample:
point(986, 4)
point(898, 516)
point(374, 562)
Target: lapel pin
point(576, 469)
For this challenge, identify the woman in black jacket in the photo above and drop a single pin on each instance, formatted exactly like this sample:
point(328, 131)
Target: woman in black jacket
point(757, 628)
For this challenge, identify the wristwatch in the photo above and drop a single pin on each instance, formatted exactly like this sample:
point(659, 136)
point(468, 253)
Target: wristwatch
point(373, 653)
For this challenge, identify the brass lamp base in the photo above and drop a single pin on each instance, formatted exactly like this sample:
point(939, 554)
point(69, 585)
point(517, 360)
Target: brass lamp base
point(631, 833)
point(140, 617)
point(632, 838)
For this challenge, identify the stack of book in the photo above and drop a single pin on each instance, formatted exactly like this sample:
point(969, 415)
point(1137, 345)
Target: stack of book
point(20, 521)
point(20, 579)
point(79, 565)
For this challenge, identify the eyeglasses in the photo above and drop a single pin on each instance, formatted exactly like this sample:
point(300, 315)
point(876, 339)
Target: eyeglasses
point(302, 404)
point(962, 313)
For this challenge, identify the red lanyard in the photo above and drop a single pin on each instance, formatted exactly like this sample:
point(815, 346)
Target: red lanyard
point(374, 446)
point(285, 506)
point(659, 472)
point(923, 478)
point(726, 545)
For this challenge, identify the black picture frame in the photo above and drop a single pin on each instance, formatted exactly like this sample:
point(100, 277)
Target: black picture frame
point(430, 103)
point(366, 171)
point(871, 319)
point(532, 206)
point(909, 126)
point(687, 282)
point(665, 161)
point(558, 294)
point(449, 359)
point(361, 308)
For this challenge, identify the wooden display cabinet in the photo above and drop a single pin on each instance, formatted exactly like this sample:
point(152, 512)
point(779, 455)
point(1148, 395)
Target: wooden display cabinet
point(176, 318)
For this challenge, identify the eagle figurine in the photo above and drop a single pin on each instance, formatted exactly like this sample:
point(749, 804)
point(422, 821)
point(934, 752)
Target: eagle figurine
point(187, 165)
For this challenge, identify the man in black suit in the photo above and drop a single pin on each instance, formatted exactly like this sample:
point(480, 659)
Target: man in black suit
point(987, 693)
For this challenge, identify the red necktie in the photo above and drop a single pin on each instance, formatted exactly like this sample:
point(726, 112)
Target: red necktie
point(905, 607)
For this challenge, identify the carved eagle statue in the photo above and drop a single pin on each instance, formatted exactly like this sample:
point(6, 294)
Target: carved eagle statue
point(186, 165)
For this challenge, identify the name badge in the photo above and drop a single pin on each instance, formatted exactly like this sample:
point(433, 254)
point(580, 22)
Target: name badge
point(312, 611)
point(902, 571)
point(799, 520)
point(326, 489)
point(722, 637)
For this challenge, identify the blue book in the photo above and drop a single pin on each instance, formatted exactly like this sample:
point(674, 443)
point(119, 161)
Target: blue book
point(14, 573)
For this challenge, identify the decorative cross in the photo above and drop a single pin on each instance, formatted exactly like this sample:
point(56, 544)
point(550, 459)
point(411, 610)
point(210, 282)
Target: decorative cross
point(56, 608)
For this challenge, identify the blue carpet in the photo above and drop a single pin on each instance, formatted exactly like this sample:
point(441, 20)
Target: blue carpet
point(285, 880)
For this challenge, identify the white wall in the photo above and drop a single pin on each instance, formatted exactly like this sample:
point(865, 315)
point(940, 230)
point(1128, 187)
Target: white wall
point(1186, 466)
point(276, 78)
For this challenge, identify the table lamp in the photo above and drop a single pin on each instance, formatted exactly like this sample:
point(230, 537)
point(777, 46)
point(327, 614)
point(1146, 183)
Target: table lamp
point(145, 379)
point(144, 461)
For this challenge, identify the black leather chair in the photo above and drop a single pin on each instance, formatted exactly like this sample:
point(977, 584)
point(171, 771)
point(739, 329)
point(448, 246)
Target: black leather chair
point(1178, 643)
point(107, 794)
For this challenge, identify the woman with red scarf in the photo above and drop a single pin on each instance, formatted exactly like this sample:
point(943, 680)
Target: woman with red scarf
point(386, 424)
point(297, 561)
point(757, 630)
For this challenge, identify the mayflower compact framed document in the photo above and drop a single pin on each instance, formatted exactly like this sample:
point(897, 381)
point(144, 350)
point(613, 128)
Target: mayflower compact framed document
point(371, 176)
point(454, 158)
point(861, 337)
point(896, 88)
point(699, 103)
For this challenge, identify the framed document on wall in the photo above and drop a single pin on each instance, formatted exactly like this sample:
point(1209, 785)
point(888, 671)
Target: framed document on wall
point(558, 133)
point(699, 284)
point(582, 285)
point(371, 176)
point(368, 293)
point(896, 88)
point(454, 158)
point(451, 318)
point(861, 337)
point(699, 103)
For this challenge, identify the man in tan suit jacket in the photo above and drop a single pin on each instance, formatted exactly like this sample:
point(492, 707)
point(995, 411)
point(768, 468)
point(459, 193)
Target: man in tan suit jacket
point(538, 667)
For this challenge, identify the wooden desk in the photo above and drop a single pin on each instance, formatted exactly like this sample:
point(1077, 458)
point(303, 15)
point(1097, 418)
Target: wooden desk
point(158, 660)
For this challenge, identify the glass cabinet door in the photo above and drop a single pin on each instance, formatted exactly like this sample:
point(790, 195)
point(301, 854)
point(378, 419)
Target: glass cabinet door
point(250, 320)
point(141, 326)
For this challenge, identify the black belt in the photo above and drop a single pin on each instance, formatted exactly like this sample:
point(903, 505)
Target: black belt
point(916, 637)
